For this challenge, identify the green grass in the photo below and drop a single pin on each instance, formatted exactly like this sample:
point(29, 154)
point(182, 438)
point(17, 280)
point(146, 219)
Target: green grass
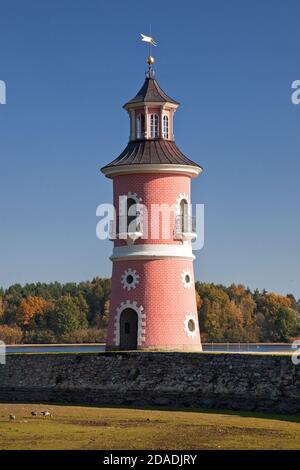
point(79, 427)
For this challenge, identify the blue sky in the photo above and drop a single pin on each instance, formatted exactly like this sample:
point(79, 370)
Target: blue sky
point(69, 67)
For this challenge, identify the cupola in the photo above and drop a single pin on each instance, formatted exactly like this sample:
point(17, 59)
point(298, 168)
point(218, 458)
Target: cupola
point(151, 140)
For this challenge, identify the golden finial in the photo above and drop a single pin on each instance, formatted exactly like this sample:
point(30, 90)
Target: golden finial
point(150, 60)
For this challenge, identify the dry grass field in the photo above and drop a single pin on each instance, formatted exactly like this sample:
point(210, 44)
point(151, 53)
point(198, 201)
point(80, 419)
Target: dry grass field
point(95, 428)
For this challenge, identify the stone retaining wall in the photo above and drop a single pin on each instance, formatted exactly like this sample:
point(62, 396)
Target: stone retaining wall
point(228, 381)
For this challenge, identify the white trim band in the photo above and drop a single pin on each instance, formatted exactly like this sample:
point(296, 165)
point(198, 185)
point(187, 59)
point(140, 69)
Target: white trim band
point(189, 170)
point(152, 251)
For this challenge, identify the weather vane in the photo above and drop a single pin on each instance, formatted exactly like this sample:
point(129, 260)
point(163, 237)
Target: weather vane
point(150, 59)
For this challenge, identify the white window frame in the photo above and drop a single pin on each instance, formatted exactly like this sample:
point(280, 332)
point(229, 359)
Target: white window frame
point(165, 126)
point(154, 131)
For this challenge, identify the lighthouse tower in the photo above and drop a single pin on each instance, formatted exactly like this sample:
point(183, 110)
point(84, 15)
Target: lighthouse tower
point(153, 303)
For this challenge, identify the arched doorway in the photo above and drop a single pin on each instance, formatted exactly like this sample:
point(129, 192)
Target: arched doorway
point(128, 329)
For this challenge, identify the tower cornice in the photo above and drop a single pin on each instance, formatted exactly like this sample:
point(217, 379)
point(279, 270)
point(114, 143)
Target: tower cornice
point(164, 105)
point(112, 171)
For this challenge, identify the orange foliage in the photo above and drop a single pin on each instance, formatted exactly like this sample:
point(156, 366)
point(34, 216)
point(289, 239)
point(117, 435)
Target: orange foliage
point(274, 302)
point(31, 306)
point(198, 301)
point(1, 307)
point(237, 314)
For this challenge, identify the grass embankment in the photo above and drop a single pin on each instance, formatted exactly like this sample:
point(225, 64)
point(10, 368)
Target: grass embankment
point(78, 427)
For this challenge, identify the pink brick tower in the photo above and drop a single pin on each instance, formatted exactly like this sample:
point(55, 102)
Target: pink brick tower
point(153, 303)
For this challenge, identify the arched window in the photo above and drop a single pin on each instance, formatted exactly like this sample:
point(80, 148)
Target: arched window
point(165, 127)
point(140, 126)
point(184, 207)
point(184, 215)
point(153, 126)
point(132, 217)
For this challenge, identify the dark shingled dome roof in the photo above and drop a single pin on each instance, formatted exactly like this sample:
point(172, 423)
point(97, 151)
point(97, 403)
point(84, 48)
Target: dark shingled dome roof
point(151, 151)
point(151, 92)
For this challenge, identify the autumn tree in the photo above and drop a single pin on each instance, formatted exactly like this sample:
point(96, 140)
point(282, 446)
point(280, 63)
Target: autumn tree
point(215, 311)
point(49, 312)
point(1, 308)
point(30, 307)
point(11, 334)
point(198, 300)
point(243, 327)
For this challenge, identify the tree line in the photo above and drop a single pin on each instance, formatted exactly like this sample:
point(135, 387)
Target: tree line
point(78, 312)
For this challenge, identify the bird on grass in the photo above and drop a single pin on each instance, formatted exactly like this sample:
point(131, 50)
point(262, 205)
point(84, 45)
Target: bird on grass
point(12, 417)
point(46, 413)
point(34, 413)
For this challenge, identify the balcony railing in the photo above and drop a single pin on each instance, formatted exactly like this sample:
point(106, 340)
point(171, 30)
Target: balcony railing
point(185, 227)
point(130, 228)
point(126, 227)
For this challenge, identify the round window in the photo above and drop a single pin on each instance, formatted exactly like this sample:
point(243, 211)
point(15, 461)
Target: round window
point(187, 278)
point(129, 279)
point(191, 325)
